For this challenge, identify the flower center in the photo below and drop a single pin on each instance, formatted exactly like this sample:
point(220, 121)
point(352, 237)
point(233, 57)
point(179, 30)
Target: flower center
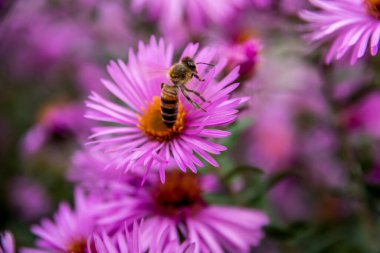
point(78, 246)
point(373, 8)
point(181, 194)
point(152, 125)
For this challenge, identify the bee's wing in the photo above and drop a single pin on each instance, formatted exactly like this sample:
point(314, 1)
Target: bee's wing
point(153, 71)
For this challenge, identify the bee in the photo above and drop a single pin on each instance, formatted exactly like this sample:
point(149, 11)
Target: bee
point(179, 74)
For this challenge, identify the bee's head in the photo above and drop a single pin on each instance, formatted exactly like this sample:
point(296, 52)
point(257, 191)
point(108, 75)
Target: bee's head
point(189, 62)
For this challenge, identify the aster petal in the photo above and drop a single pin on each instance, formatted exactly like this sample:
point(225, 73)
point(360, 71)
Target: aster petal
point(206, 145)
point(214, 133)
point(215, 89)
point(99, 131)
point(375, 40)
point(207, 157)
point(7, 242)
point(126, 82)
point(190, 154)
point(363, 43)
point(48, 237)
point(26, 250)
point(190, 50)
point(122, 243)
point(100, 246)
point(246, 228)
point(112, 115)
point(204, 233)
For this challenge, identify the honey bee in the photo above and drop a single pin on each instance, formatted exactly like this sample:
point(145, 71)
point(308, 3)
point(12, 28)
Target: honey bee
point(179, 74)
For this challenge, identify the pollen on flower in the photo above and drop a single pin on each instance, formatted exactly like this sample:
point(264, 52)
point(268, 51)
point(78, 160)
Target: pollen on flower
point(152, 125)
point(373, 8)
point(180, 193)
point(77, 246)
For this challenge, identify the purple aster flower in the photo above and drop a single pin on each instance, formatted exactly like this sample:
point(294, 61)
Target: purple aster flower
point(40, 46)
point(244, 51)
point(56, 123)
point(135, 134)
point(291, 201)
point(352, 25)
point(60, 39)
point(363, 115)
point(70, 229)
point(111, 25)
point(29, 199)
point(178, 205)
point(179, 19)
point(129, 242)
point(7, 242)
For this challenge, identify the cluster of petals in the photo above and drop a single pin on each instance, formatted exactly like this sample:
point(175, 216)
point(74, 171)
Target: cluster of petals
point(75, 230)
point(121, 136)
point(350, 25)
point(69, 230)
point(130, 242)
point(212, 228)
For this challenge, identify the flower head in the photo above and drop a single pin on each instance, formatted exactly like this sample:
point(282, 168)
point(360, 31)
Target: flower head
point(178, 205)
point(127, 241)
point(29, 198)
point(135, 134)
point(56, 123)
point(7, 242)
point(243, 51)
point(350, 24)
point(70, 229)
point(362, 116)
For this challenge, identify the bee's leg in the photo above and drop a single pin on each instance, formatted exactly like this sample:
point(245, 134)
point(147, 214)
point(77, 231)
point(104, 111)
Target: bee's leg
point(162, 85)
point(196, 93)
point(183, 90)
point(198, 77)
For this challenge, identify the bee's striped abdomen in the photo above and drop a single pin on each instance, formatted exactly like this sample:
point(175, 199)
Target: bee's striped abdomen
point(169, 104)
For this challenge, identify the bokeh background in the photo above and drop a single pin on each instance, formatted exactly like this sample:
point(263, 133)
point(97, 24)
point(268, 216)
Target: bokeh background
point(305, 149)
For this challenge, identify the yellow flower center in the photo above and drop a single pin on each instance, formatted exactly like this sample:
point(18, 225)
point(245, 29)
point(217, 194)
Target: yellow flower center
point(152, 125)
point(180, 194)
point(79, 246)
point(373, 8)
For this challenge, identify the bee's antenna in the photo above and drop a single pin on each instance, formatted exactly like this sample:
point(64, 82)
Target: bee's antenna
point(206, 63)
